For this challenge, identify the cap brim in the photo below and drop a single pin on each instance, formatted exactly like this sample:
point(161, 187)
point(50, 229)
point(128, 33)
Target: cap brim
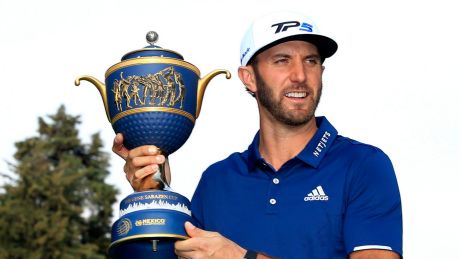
point(325, 45)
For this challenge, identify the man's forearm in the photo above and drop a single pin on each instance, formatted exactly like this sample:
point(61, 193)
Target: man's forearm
point(374, 254)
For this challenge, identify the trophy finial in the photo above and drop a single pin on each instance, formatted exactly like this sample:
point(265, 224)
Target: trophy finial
point(152, 37)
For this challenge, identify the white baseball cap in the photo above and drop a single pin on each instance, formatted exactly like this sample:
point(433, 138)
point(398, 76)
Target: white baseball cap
point(279, 27)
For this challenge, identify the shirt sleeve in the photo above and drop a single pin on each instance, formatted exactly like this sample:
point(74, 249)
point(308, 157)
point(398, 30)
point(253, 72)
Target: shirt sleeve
point(197, 204)
point(373, 214)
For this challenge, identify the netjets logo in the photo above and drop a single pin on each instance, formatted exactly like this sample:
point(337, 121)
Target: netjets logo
point(317, 194)
point(321, 144)
point(284, 26)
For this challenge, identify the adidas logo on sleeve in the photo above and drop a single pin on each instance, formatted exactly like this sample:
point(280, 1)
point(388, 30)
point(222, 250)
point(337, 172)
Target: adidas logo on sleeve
point(316, 194)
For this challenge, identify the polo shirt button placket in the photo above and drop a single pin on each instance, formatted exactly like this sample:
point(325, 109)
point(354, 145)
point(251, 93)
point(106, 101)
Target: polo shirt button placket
point(273, 195)
point(275, 181)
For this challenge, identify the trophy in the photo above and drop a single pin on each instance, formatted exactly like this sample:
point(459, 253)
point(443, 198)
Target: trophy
point(152, 97)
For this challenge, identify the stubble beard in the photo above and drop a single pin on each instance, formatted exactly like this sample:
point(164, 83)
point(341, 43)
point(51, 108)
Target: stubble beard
point(275, 107)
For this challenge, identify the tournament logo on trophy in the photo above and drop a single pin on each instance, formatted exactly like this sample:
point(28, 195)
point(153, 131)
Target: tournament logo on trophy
point(152, 97)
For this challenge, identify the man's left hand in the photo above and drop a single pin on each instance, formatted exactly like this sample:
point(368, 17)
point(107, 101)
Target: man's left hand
point(207, 244)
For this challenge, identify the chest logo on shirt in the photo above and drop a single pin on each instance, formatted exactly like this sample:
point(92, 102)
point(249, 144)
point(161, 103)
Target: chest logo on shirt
point(317, 194)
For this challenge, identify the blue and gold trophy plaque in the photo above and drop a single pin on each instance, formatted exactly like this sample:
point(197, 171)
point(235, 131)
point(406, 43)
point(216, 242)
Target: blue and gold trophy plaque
point(152, 97)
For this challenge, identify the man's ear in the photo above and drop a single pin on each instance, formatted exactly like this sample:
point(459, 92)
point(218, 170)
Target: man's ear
point(247, 77)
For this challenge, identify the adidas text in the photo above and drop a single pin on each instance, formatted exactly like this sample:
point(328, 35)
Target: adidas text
point(316, 198)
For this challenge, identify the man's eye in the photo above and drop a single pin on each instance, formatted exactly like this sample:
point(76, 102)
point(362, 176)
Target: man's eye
point(312, 61)
point(281, 61)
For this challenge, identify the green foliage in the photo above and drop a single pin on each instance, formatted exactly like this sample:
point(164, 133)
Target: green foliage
point(58, 205)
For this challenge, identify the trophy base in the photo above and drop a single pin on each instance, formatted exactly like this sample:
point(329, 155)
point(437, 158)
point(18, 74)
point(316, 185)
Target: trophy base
point(145, 248)
point(150, 223)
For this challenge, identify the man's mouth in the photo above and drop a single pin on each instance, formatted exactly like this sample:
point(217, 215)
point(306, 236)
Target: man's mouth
point(296, 94)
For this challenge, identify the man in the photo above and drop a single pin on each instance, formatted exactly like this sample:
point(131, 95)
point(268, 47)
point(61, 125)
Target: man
point(300, 190)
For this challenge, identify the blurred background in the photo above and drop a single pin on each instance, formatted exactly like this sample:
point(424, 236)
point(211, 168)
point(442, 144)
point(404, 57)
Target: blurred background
point(393, 83)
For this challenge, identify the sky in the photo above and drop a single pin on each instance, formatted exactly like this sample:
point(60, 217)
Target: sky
point(393, 83)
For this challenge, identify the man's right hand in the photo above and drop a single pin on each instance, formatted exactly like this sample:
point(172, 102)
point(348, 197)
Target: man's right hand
point(140, 164)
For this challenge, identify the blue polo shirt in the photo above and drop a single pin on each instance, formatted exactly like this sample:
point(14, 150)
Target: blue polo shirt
point(335, 197)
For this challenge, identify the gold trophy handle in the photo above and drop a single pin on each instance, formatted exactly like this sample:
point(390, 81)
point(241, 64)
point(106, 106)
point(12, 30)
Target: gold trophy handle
point(203, 83)
point(100, 86)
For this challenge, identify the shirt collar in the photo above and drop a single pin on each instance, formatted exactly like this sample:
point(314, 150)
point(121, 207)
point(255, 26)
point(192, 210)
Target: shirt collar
point(319, 144)
point(312, 154)
point(254, 157)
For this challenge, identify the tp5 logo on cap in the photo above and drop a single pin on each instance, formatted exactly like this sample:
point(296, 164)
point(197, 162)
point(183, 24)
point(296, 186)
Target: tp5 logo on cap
point(283, 26)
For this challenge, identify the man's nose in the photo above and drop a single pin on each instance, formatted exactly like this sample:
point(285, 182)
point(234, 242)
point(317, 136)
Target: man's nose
point(298, 71)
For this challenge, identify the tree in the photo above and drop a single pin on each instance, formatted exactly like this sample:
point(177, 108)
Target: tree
point(58, 205)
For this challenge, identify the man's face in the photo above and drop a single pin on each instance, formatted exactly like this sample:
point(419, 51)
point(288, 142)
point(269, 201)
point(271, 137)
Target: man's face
point(288, 80)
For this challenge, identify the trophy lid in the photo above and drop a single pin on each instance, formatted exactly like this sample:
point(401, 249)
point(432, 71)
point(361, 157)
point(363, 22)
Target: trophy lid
point(152, 50)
